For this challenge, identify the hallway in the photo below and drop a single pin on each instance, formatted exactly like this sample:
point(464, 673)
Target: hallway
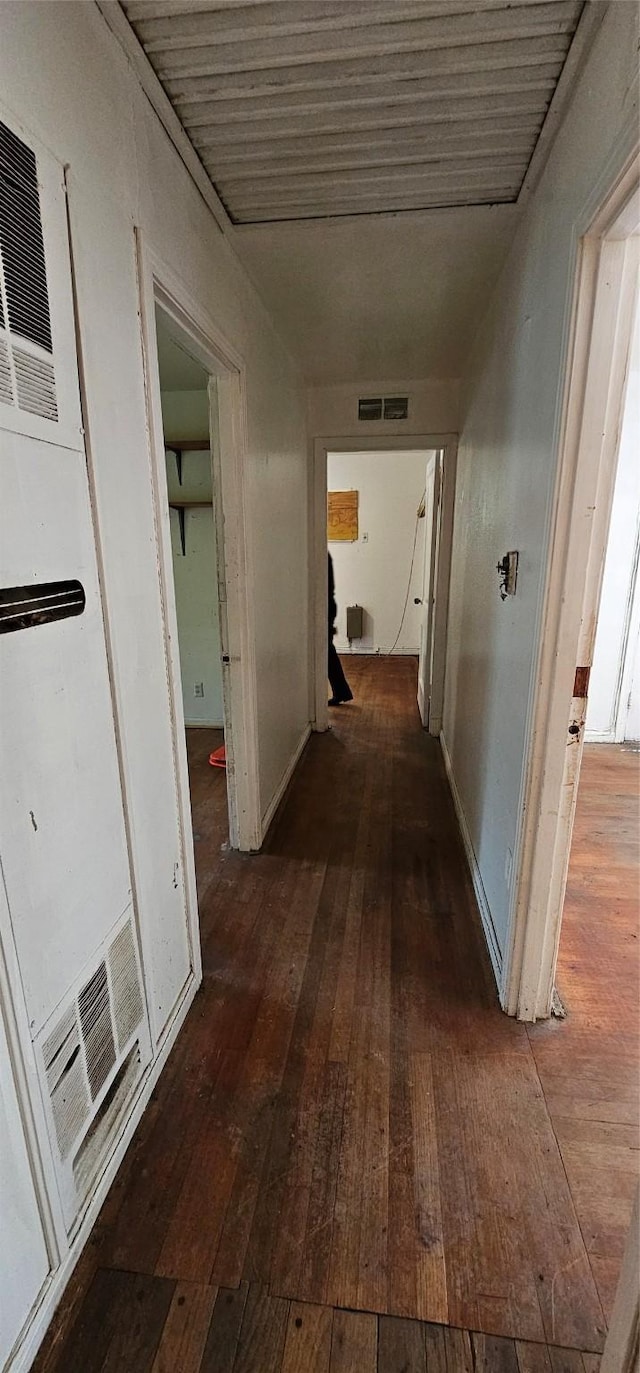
point(348, 1120)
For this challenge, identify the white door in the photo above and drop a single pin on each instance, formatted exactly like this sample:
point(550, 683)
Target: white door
point(427, 605)
point(64, 851)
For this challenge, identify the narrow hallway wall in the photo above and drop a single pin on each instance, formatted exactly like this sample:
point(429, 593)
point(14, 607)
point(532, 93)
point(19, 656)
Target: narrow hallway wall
point(511, 404)
point(124, 174)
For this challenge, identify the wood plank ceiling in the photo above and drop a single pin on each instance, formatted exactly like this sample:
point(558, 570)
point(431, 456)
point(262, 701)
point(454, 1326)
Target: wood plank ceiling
point(303, 109)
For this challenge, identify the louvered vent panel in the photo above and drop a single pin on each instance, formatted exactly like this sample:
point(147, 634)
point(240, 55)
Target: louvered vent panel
point(6, 385)
point(95, 1020)
point(66, 1080)
point(36, 385)
point(24, 301)
point(125, 985)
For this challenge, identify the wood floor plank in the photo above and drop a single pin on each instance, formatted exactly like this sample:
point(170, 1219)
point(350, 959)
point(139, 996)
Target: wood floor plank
point(459, 1352)
point(565, 1360)
point(316, 1258)
point(494, 1354)
point(435, 1348)
point(193, 1235)
point(532, 1358)
point(354, 1342)
point(224, 1331)
point(430, 1266)
point(186, 1328)
point(308, 1342)
point(120, 1324)
point(262, 1333)
point(401, 1346)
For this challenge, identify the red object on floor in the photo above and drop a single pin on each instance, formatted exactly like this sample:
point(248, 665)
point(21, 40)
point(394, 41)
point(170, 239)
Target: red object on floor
point(218, 758)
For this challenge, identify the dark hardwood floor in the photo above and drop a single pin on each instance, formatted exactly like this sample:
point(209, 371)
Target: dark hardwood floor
point(353, 1158)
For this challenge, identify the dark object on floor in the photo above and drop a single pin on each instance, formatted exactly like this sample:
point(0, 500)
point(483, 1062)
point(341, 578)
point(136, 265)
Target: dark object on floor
point(341, 700)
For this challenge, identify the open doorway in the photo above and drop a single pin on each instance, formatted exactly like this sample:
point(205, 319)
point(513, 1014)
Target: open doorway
point(385, 511)
point(211, 661)
point(189, 493)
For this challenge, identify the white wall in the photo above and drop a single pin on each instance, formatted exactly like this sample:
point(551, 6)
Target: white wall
point(333, 410)
point(509, 433)
point(88, 107)
point(607, 709)
point(374, 571)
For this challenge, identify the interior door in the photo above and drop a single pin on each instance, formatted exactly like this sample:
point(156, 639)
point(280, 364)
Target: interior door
point(427, 604)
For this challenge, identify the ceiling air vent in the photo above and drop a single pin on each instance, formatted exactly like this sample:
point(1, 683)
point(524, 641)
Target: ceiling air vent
point(383, 408)
point(27, 380)
point(370, 409)
point(396, 407)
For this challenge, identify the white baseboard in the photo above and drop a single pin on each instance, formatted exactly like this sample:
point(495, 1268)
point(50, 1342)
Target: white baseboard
point(597, 736)
point(476, 877)
point(52, 1293)
point(285, 780)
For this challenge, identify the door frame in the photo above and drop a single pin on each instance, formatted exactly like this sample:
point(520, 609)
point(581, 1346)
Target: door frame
point(429, 589)
point(159, 285)
point(391, 443)
point(598, 357)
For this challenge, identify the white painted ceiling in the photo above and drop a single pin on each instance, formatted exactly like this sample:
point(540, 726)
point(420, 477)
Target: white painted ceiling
point(395, 297)
point(306, 108)
point(372, 156)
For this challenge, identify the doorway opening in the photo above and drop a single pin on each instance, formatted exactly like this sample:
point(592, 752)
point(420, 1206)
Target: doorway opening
point(189, 495)
point(384, 511)
point(216, 654)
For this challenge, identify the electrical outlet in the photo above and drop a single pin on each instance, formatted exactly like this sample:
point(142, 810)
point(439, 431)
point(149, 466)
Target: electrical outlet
point(198, 689)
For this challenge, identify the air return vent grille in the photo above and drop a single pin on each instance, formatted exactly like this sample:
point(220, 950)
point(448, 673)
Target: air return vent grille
point(97, 1032)
point(125, 987)
point(383, 408)
point(66, 1080)
point(27, 380)
point(82, 1060)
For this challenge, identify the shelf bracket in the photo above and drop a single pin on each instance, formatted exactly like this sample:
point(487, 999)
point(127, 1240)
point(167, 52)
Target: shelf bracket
point(181, 514)
point(173, 448)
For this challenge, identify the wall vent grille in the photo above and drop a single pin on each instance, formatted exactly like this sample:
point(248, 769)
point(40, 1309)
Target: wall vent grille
point(125, 985)
point(97, 1031)
point(87, 1078)
point(66, 1080)
point(27, 380)
point(383, 408)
